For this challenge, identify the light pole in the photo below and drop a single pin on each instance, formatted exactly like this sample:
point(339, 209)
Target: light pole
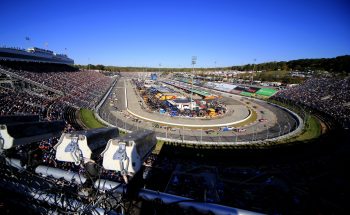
point(284, 128)
point(254, 129)
point(194, 59)
point(267, 131)
point(279, 134)
point(183, 134)
point(290, 127)
point(251, 83)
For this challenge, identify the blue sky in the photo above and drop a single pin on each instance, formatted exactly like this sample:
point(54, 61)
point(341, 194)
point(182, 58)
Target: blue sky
point(153, 32)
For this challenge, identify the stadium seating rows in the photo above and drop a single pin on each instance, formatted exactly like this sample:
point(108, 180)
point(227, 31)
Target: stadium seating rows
point(81, 89)
point(328, 95)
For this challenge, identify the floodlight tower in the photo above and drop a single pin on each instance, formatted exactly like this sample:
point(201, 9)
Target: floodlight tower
point(214, 69)
point(194, 59)
point(252, 79)
point(88, 63)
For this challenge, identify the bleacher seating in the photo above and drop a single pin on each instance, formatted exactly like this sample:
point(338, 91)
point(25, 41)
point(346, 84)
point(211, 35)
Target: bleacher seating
point(328, 95)
point(81, 89)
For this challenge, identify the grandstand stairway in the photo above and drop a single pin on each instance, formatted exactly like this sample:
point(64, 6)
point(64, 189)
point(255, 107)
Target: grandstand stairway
point(326, 121)
point(70, 115)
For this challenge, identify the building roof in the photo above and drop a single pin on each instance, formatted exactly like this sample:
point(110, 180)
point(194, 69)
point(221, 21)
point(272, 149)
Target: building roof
point(178, 101)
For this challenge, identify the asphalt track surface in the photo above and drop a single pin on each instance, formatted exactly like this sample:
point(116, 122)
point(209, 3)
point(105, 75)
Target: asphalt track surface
point(235, 113)
point(114, 111)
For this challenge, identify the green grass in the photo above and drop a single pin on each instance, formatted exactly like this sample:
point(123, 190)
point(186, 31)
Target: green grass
point(252, 118)
point(312, 130)
point(122, 133)
point(158, 147)
point(89, 120)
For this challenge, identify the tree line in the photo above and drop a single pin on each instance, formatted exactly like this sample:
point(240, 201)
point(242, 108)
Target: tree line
point(340, 64)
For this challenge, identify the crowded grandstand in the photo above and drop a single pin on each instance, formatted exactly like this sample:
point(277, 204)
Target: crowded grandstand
point(331, 96)
point(103, 169)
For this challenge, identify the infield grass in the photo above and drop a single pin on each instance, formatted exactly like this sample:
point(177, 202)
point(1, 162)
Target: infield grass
point(89, 120)
point(251, 119)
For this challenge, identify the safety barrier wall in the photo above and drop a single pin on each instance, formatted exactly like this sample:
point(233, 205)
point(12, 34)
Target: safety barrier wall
point(299, 129)
point(96, 112)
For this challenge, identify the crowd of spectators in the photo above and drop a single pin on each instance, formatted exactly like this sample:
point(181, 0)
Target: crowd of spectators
point(14, 102)
point(20, 103)
point(80, 88)
point(328, 95)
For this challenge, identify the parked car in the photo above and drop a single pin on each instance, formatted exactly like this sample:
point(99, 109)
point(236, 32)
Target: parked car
point(263, 120)
point(210, 131)
point(240, 130)
point(227, 128)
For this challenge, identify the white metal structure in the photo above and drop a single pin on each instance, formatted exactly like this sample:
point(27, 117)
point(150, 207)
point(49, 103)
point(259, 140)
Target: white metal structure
point(126, 154)
point(78, 147)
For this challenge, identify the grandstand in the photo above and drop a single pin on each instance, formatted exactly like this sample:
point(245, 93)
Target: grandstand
point(81, 89)
point(327, 95)
point(33, 55)
point(174, 107)
point(56, 92)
